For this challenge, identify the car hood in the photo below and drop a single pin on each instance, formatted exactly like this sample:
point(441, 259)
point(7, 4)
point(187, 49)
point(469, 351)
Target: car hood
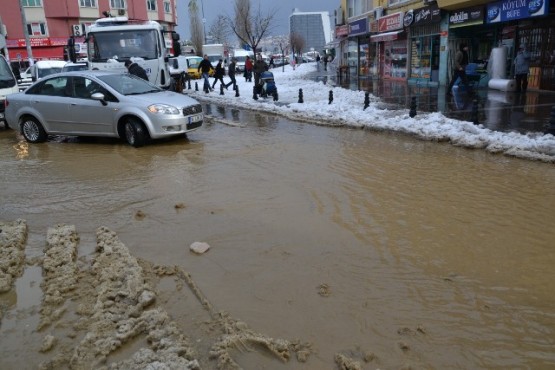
point(164, 97)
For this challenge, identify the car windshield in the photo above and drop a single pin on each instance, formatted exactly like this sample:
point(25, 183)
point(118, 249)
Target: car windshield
point(241, 59)
point(194, 62)
point(127, 84)
point(6, 76)
point(43, 72)
point(124, 45)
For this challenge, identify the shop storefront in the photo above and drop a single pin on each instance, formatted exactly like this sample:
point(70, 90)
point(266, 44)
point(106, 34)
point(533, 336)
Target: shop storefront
point(528, 23)
point(391, 47)
point(424, 28)
point(358, 57)
point(43, 48)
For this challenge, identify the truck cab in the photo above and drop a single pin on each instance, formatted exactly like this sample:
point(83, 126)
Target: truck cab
point(8, 85)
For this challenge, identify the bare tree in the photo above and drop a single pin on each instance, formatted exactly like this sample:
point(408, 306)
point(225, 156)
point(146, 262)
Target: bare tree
point(197, 32)
point(219, 30)
point(297, 43)
point(250, 26)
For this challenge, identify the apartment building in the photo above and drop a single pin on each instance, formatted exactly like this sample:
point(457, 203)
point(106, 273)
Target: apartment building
point(313, 27)
point(51, 22)
point(416, 40)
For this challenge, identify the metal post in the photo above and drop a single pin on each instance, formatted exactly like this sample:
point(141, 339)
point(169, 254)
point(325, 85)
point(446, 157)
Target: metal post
point(26, 33)
point(412, 112)
point(301, 100)
point(367, 100)
point(221, 89)
point(551, 127)
point(236, 91)
point(330, 97)
point(475, 112)
point(196, 86)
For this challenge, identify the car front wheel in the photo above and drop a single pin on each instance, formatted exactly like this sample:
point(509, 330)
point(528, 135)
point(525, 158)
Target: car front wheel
point(135, 133)
point(33, 131)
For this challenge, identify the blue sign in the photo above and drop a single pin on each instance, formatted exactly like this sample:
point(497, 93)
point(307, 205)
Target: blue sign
point(509, 10)
point(358, 27)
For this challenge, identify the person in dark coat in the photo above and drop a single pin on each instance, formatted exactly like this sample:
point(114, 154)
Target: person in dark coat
point(205, 66)
point(231, 74)
point(459, 71)
point(259, 67)
point(136, 70)
point(219, 74)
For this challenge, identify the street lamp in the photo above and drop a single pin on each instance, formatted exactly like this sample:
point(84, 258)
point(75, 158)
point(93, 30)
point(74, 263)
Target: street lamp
point(203, 20)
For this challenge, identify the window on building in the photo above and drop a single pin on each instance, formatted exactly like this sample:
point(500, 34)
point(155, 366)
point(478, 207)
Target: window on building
point(151, 5)
point(35, 3)
point(87, 3)
point(36, 29)
point(167, 7)
point(117, 4)
point(397, 2)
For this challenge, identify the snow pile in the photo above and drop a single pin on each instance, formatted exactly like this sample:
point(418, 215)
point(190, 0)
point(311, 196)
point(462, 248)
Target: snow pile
point(347, 109)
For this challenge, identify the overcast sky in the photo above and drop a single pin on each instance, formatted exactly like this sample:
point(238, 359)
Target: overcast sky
point(284, 8)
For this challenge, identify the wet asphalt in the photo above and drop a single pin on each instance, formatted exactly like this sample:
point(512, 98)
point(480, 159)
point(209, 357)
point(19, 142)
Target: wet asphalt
point(494, 109)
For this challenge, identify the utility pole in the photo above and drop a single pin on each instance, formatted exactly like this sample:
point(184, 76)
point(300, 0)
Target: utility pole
point(3, 44)
point(26, 33)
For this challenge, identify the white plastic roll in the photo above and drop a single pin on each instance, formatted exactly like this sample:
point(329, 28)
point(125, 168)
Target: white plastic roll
point(502, 84)
point(498, 62)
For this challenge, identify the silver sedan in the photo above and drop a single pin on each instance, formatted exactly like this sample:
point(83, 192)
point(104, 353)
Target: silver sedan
point(98, 103)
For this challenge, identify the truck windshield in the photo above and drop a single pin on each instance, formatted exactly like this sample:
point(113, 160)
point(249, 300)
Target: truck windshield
point(6, 76)
point(123, 45)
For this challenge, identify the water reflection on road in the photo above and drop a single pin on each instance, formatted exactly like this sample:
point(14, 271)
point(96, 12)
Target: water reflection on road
point(433, 256)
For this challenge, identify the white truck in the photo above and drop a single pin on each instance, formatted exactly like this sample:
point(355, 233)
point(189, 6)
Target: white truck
point(241, 56)
point(8, 85)
point(113, 40)
point(215, 52)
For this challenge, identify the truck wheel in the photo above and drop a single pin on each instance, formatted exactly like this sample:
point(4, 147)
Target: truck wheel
point(32, 130)
point(135, 133)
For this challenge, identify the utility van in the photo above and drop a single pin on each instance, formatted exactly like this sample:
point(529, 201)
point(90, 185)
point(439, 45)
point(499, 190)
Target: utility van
point(8, 85)
point(241, 56)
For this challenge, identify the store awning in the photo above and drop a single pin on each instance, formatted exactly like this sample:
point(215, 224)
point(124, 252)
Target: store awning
point(387, 36)
point(53, 52)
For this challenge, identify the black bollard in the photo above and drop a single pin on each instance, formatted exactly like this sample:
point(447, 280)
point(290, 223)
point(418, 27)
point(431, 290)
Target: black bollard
point(551, 126)
point(412, 111)
point(221, 89)
point(475, 112)
point(196, 86)
point(367, 100)
point(189, 84)
point(330, 97)
point(301, 96)
point(254, 95)
point(236, 91)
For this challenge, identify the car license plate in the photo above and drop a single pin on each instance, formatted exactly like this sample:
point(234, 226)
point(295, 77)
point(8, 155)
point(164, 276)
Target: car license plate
point(195, 118)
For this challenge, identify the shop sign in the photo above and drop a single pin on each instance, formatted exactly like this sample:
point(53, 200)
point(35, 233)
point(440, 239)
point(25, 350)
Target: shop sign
point(37, 42)
point(358, 27)
point(408, 18)
point(391, 22)
point(466, 17)
point(426, 15)
point(509, 10)
point(341, 31)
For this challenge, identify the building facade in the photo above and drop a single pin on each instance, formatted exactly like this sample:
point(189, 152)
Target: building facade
point(416, 40)
point(51, 22)
point(313, 27)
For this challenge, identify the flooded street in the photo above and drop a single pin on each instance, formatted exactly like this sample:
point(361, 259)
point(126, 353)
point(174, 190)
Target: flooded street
point(391, 251)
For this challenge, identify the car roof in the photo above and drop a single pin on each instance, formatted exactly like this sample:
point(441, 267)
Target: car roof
point(84, 73)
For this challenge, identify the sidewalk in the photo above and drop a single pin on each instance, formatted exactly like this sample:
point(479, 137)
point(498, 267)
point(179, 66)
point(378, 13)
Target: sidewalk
point(497, 110)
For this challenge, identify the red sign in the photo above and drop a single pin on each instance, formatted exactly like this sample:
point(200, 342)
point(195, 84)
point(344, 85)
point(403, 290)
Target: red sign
point(342, 31)
point(390, 22)
point(37, 42)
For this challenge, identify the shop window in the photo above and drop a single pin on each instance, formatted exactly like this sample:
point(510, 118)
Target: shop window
point(87, 3)
point(167, 7)
point(117, 4)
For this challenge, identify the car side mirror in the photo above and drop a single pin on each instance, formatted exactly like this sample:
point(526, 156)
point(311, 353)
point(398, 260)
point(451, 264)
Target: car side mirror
point(100, 97)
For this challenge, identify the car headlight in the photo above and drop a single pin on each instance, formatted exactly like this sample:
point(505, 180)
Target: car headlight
point(163, 109)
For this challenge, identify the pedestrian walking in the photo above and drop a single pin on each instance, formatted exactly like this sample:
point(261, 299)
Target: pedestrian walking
point(272, 65)
point(248, 69)
point(231, 74)
point(318, 62)
point(136, 69)
point(459, 71)
point(219, 73)
point(325, 62)
point(522, 67)
point(259, 67)
point(205, 67)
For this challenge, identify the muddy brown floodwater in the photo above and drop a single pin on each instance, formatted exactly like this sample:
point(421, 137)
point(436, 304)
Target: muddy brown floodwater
point(329, 247)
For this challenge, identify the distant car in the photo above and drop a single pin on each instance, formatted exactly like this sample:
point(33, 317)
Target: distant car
point(101, 103)
point(79, 66)
point(192, 64)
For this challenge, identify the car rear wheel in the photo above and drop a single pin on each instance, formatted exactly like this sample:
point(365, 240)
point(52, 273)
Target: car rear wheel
point(135, 133)
point(32, 130)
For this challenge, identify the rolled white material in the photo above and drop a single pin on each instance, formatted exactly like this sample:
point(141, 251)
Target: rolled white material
point(498, 62)
point(502, 84)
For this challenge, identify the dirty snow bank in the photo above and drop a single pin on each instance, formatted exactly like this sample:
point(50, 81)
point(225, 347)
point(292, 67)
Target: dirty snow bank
point(347, 109)
point(12, 252)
